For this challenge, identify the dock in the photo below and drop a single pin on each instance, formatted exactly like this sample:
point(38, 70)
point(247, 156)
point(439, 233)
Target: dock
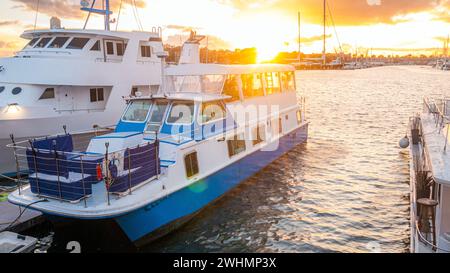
point(10, 212)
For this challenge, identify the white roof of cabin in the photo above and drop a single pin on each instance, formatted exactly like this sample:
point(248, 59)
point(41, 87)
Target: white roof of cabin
point(29, 34)
point(188, 96)
point(219, 69)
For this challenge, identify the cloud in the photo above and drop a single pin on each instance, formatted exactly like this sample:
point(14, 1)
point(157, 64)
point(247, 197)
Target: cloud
point(313, 39)
point(9, 23)
point(69, 9)
point(9, 45)
point(214, 42)
point(345, 12)
point(182, 28)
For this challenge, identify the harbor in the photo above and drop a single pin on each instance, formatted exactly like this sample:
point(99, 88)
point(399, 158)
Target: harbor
point(165, 142)
point(309, 218)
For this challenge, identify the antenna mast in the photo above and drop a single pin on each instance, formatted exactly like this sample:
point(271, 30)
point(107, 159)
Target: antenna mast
point(105, 11)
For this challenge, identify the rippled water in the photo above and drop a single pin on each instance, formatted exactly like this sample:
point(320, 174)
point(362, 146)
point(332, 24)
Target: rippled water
point(346, 190)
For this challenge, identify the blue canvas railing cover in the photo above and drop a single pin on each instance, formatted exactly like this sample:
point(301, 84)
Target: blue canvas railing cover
point(60, 173)
point(139, 165)
point(63, 143)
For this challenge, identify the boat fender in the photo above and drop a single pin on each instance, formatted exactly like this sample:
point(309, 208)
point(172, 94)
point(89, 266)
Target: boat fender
point(404, 142)
point(99, 173)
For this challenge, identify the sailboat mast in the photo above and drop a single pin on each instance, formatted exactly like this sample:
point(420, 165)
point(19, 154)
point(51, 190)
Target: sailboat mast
point(299, 37)
point(324, 31)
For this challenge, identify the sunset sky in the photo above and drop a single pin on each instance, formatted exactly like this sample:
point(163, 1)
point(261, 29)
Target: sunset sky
point(386, 26)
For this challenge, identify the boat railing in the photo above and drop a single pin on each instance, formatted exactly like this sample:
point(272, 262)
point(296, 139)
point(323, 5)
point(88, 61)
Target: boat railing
point(55, 171)
point(423, 239)
point(54, 166)
point(34, 51)
point(440, 109)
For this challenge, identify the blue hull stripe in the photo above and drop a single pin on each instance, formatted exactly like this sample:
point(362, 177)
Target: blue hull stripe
point(191, 199)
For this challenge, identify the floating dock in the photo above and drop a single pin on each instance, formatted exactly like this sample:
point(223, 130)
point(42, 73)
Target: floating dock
point(9, 214)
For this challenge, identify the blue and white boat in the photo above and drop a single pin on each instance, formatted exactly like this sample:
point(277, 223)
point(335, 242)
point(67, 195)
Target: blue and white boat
point(209, 128)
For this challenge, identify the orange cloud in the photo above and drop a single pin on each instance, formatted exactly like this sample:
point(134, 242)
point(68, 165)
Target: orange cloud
point(345, 12)
point(9, 23)
point(214, 42)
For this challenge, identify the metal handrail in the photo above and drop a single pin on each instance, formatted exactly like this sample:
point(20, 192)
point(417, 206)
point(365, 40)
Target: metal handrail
point(440, 117)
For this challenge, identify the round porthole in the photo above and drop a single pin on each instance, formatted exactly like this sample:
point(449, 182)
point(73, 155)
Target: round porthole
point(2, 88)
point(16, 91)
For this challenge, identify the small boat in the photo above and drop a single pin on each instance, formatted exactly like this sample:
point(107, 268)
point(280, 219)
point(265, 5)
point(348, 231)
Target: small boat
point(209, 128)
point(74, 78)
point(430, 177)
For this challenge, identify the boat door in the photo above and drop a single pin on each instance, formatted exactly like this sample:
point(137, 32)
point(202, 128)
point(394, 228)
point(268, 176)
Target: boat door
point(114, 50)
point(65, 98)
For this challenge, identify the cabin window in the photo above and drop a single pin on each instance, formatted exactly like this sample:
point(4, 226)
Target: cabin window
point(49, 93)
point(97, 94)
point(78, 43)
point(212, 111)
point(16, 91)
point(156, 116)
point(43, 42)
point(146, 51)
point(32, 42)
point(231, 88)
point(110, 48)
point(137, 111)
point(252, 85)
point(236, 145)
point(280, 126)
point(181, 113)
point(272, 83)
point(2, 88)
point(291, 81)
point(191, 164)
point(134, 90)
point(58, 42)
point(96, 46)
point(259, 134)
point(299, 117)
point(120, 49)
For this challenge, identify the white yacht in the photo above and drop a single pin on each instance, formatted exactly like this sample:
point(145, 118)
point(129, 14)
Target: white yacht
point(74, 78)
point(209, 128)
point(430, 177)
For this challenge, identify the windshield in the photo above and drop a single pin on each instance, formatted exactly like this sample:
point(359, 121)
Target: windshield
point(203, 83)
point(156, 116)
point(137, 111)
point(181, 112)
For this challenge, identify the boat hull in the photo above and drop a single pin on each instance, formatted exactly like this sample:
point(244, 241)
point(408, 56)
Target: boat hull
point(163, 216)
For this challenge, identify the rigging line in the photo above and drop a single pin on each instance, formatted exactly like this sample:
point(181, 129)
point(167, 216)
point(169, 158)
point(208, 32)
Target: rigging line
point(37, 12)
point(137, 15)
point(134, 13)
point(89, 15)
point(334, 26)
point(118, 15)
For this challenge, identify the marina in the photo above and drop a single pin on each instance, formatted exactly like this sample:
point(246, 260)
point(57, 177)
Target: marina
point(172, 141)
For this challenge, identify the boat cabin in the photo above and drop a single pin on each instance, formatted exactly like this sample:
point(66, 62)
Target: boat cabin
point(98, 45)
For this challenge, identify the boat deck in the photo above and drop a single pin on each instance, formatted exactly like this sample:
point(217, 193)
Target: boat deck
point(438, 157)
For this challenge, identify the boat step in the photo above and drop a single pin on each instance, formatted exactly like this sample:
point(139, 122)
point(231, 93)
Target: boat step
point(11, 242)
